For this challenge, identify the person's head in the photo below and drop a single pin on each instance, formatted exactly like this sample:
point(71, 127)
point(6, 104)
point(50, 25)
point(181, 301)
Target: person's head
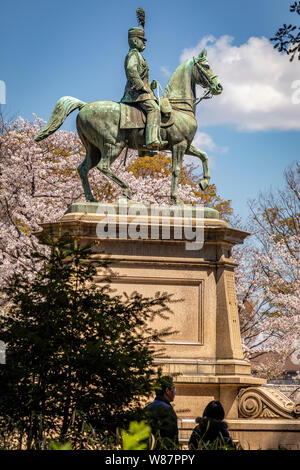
point(166, 388)
point(214, 410)
point(136, 39)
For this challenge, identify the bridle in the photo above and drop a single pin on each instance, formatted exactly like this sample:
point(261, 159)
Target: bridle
point(206, 82)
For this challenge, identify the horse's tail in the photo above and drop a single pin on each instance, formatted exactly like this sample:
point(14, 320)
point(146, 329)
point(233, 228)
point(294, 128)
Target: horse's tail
point(63, 108)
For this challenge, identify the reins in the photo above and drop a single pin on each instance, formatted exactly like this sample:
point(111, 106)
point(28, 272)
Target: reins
point(207, 83)
point(207, 94)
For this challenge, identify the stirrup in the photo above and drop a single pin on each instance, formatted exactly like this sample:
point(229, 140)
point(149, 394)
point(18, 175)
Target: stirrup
point(156, 145)
point(147, 153)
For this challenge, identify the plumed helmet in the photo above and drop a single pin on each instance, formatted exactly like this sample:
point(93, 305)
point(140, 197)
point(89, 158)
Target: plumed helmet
point(136, 33)
point(139, 31)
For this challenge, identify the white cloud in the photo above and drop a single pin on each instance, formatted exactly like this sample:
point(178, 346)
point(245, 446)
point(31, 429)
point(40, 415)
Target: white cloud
point(165, 70)
point(257, 81)
point(206, 143)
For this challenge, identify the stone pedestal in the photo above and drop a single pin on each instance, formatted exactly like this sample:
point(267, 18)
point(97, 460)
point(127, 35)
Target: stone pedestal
point(206, 350)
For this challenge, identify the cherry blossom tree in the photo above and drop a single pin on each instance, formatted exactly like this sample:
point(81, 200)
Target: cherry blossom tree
point(39, 181)
point(29, 189)
point(268, 280)
point(268, 286)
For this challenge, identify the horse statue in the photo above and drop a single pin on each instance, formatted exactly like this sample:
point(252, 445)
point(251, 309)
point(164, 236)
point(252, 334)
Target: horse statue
point(105, 127)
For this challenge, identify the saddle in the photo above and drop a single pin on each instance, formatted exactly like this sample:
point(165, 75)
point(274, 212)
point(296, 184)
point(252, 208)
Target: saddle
point(133, 117)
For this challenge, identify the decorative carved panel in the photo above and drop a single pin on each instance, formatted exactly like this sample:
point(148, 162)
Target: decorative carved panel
point(187, 314)
point(263, 402)
point(233, 310)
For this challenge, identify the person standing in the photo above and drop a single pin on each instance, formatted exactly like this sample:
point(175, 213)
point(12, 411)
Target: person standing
point(211, 428)
point(161, 415)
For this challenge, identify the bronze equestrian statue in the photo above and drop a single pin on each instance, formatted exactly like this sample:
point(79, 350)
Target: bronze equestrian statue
point(107, 127)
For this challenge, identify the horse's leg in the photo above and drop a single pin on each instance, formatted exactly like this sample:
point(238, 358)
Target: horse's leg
point(92, 157)
point(109, 154)
point(195, 152)
point(177, 158)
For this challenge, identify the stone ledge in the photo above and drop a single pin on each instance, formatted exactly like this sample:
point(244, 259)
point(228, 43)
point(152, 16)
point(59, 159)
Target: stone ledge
point(204, 367)
point(98, 208)
point(84, 226)
point(187, 424)
point(283, 425)
point(239, 380)
point(92, 218)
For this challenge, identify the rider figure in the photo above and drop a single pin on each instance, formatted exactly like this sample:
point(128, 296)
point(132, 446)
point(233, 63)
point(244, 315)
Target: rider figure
point(139, 91)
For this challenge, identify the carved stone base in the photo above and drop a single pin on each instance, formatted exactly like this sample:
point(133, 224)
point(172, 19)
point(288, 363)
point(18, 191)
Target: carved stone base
point(206, 351)
point(194, 392)
point(255, 434)
point(263, 402)
point(206, 317)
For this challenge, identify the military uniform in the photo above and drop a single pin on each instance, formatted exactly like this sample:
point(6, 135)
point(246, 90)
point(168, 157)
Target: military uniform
point(137, 73)
point(138, 90)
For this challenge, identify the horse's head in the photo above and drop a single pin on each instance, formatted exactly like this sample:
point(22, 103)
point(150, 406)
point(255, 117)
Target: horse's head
point(204, 75)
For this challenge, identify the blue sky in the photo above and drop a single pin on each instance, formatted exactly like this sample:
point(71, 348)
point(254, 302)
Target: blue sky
point(251, 132)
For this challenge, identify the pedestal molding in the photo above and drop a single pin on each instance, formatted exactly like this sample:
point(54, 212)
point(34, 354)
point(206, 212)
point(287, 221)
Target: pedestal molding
point(206, 355)
point(266, 403)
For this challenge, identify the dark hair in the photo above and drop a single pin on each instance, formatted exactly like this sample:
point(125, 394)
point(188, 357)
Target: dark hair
point(162, 384)
point(214, 410)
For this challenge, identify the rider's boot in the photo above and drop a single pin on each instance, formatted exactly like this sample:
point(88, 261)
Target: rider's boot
point(153, 141)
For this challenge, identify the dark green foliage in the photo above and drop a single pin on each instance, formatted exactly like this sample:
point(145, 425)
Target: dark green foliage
point(76, 352)
point(287, 38)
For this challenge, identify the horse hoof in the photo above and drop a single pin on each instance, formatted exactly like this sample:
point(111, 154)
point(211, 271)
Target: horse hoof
point(203, 184)
point(127, 194)
point(178, 202)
